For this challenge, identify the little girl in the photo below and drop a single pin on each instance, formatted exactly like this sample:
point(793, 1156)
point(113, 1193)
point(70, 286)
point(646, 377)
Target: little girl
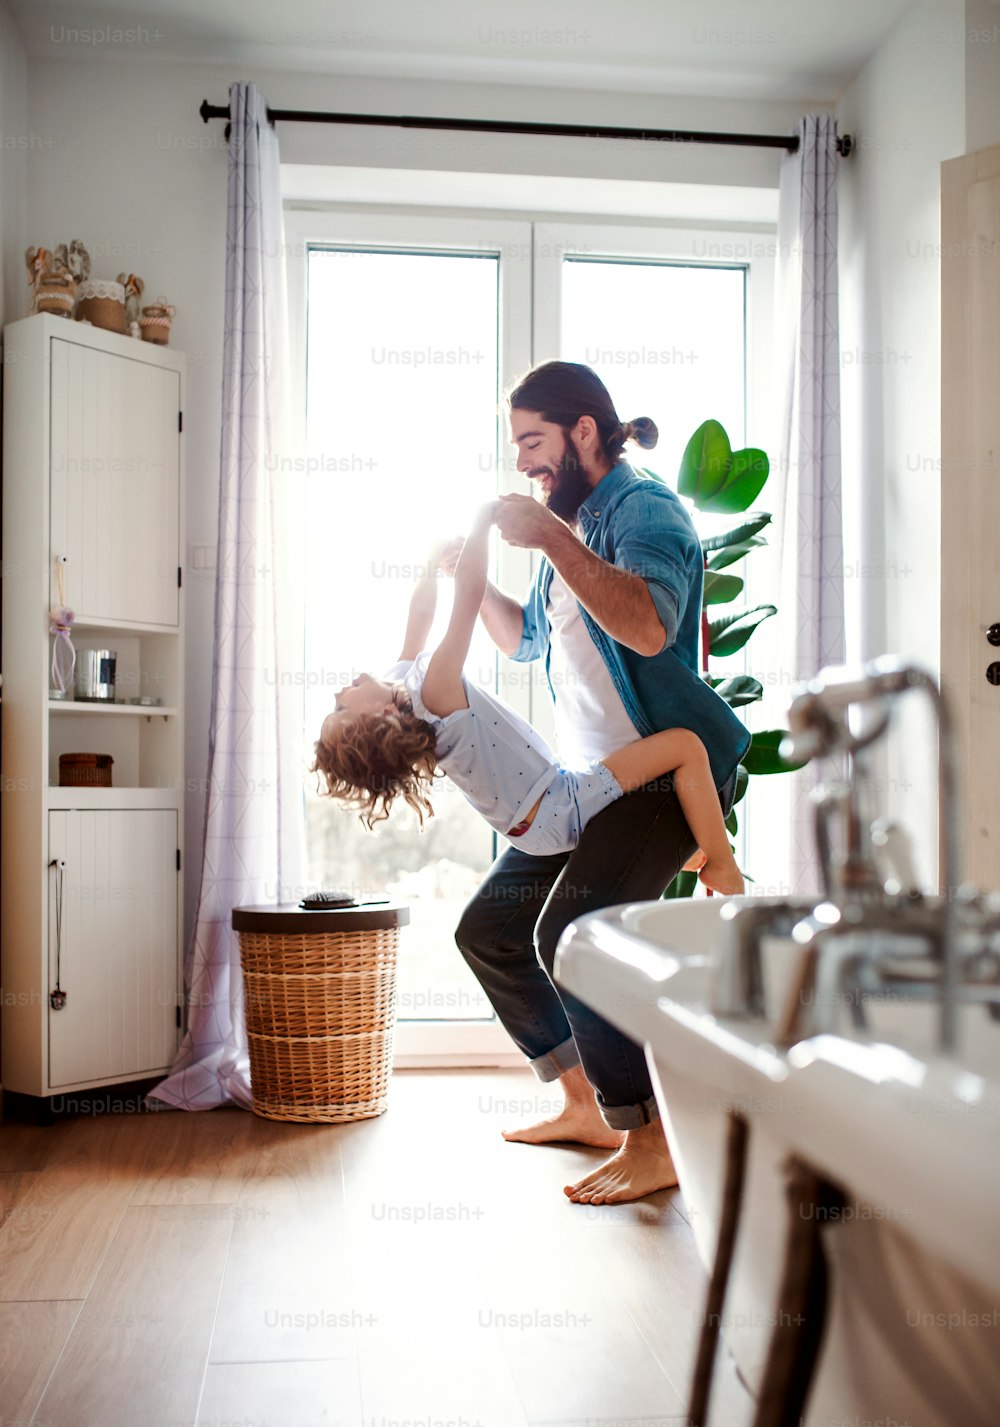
point(385, 739)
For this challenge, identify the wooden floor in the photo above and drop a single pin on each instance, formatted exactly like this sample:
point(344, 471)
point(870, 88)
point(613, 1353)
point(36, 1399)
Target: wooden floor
point(172, 1269)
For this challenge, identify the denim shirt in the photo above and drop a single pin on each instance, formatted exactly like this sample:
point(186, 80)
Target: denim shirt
point(640, 525)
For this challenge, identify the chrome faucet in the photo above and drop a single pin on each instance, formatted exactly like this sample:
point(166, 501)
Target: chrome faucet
point(818, 721)
point(873, 921)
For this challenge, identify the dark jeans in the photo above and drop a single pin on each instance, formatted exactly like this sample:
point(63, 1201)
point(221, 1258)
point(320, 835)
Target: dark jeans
point(509, 931)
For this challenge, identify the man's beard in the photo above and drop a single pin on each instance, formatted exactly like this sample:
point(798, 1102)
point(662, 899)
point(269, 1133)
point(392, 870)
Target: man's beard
point(570, 486)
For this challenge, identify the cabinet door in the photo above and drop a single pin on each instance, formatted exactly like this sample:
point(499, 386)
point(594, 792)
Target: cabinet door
point(114, 484)
point(118, 959)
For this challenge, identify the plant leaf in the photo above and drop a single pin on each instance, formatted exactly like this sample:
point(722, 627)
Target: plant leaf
point(732, 825)
point(749, 527)
point(732, 553)
point(742, 782)
point(763, 757)
point(731, 631)
point(645, 471)
point(744, 482)
point(705, 464)
point(683, 885)
point(739, 690)
point(720, 589)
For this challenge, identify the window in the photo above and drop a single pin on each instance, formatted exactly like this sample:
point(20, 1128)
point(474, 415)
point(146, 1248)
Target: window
point(410, 329)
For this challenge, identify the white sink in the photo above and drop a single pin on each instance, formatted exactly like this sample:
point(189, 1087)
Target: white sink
point(911, 1138)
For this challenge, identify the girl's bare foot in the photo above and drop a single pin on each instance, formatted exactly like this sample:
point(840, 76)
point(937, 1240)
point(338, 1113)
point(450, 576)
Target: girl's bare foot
point(642, 1166)
point(579, 1122)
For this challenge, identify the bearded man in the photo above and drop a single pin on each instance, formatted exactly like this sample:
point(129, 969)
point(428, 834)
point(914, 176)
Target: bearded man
point(615, 611)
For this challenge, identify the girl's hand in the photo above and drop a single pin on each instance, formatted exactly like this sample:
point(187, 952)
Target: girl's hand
point(446, 556)
point(486, 515)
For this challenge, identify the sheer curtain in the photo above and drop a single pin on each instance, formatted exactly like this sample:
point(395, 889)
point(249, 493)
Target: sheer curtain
point(253, 840)
point(809, 629)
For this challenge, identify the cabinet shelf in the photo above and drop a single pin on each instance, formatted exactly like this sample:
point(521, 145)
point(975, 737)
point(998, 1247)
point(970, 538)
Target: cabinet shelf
point(113, 626)
point(81, 706)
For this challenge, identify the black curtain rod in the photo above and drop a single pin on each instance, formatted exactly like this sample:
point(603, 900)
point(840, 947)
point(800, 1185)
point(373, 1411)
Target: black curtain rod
point(788, 142)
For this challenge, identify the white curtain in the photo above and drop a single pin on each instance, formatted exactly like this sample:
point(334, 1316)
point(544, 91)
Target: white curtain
point(809, 627)
point(253, 841)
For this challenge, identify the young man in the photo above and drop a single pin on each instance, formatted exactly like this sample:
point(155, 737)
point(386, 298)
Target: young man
point(615, 611)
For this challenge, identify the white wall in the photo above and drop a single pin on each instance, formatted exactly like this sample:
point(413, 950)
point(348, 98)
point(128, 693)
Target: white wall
point(135, 174)
point(906, 110)
point(17, 142)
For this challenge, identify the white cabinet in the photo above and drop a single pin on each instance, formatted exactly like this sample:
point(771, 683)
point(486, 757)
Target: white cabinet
point(92, 484)
point(112, 942)
point(115, 483)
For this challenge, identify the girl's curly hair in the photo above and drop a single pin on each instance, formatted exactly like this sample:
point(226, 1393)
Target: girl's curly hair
point(373, 759)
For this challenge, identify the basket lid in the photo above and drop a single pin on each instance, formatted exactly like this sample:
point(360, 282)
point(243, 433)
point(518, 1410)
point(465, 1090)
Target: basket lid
point(289, 917)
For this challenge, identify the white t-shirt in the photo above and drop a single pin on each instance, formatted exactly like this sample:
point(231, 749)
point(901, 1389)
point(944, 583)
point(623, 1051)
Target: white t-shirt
point(591, 720)
point(501, 764)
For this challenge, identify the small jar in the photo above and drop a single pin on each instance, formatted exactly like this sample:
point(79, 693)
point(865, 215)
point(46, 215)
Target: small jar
point(56, 294)
point(155, 320)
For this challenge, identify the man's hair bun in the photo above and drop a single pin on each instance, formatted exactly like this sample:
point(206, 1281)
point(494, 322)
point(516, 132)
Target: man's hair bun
point(642, 431)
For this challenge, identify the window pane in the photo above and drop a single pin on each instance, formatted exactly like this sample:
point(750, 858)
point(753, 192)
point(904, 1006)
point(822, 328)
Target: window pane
point(668, 340)
point(402, 400)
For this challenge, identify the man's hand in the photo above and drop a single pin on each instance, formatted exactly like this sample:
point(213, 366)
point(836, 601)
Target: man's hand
point(616, 599)
point(525, 522)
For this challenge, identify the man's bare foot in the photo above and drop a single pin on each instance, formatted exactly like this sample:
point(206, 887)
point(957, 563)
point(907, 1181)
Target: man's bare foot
point(722, 875)
point(642, 1166)
point(579, 1122)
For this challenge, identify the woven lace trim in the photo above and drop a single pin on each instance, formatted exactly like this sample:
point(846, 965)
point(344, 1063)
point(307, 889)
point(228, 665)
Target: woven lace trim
point(101, 288)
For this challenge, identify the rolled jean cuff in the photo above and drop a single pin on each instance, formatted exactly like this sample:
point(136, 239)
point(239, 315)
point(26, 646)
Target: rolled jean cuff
point(557, 1061)
point(630, 1117)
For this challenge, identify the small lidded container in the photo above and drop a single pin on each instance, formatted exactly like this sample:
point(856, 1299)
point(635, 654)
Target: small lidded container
point(155, 320)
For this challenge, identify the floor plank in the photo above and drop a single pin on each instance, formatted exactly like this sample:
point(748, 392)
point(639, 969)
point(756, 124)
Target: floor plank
point(197, 1158)
point(24, 1147)
point(14, 1187)
point(32, 1337)
point(287, 1291)
point(137, 1352)
point(52, 1247)
point(287, 1394)
point(461, 1380)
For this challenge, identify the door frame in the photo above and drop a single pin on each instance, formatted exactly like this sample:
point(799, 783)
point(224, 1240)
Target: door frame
point(970, 500)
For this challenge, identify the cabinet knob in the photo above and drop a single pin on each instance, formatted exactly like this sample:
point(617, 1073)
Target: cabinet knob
point(993, 634)
point(993, 673)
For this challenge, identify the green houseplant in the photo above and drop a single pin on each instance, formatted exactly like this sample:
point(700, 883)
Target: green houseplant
point(721, 481)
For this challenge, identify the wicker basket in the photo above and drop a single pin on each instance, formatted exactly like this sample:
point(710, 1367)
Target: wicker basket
point(320, 1000)
point(102, 304)
point(85, 770)
point(56, 293)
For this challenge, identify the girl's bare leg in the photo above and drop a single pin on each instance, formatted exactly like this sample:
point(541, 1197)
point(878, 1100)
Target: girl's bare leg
point(681, 752)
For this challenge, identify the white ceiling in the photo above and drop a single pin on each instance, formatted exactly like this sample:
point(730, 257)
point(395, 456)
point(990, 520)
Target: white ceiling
point(762, 49)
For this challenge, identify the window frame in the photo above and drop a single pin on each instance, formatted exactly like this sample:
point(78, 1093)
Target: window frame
point(531, 251)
